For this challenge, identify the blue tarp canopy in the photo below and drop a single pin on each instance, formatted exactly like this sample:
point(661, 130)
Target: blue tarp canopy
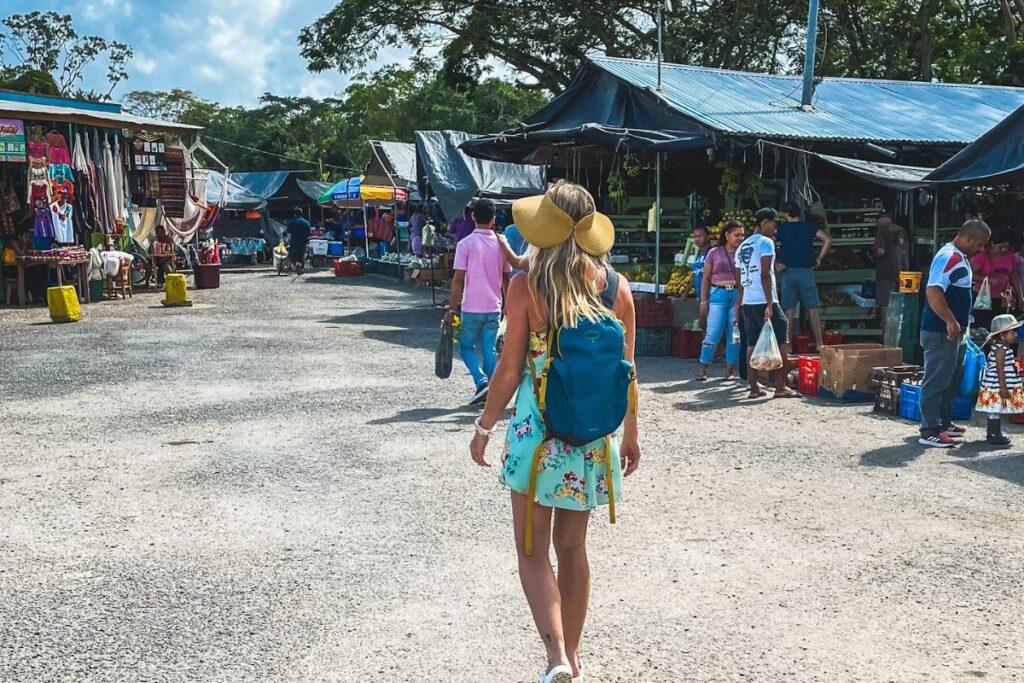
point(456, 178)
point(996, 158)
point(238, 197)
point(263, 184)
point(598, 109)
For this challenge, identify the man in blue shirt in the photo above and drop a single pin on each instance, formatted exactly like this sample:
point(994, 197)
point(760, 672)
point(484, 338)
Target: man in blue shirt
point(298, 230)
point(796, 267)
point(949, 298)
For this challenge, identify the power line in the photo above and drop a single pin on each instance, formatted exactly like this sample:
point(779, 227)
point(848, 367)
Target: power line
point(279, 156)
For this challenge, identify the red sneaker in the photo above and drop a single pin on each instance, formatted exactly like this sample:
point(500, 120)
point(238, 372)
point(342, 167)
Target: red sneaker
point(937, 440)
point(955, 431)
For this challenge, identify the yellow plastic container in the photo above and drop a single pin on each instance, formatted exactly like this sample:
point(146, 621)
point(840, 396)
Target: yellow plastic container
point(910, 282)
point(176, 291)
point(63, 304)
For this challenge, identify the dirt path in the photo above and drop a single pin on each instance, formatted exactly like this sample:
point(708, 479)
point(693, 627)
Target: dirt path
point(271, 486)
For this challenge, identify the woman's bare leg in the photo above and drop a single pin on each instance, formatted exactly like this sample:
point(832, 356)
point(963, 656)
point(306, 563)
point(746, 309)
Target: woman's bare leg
point(538, 578)
point(570, 538)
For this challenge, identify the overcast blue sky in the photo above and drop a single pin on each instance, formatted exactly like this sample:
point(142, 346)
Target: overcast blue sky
point(229, 51)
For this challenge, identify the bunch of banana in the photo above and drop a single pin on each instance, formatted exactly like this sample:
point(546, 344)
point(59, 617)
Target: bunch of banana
point(679, 284)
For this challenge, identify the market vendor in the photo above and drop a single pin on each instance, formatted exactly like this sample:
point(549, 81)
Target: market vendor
point(36, 276)
point(997, 264)
point(298, 230)
point(891, 257)
point(702, 241)
point(463, 226)
point(416, 223)
point(796, 265)
point(163, 265)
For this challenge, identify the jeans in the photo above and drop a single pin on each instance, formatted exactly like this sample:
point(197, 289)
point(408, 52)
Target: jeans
point(721, 318)
point(479, 329)
point(943, 367)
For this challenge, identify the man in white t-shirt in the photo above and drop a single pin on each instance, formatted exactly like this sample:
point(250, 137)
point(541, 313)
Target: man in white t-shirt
point(758, 301)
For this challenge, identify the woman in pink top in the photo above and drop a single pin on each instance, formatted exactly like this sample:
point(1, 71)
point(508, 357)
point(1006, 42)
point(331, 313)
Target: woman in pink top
point(718, 300)
point(997, 263)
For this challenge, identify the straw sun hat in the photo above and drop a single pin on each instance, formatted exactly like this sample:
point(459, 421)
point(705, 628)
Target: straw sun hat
point(544, 225)
point(1003, 323)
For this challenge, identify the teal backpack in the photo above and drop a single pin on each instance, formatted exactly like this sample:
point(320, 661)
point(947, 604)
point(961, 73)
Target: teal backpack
point(584, 389)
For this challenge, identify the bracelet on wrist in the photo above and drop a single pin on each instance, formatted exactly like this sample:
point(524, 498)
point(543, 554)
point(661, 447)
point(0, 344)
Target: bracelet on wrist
point(480, 429)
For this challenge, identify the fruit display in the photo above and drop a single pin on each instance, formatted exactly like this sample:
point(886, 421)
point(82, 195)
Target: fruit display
point(680, 283)
point(644, 272)
point(742, 215)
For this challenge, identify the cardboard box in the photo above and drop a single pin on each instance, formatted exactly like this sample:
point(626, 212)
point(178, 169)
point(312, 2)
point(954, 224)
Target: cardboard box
point(685, 311)
point(424, 275)
point(848, 367)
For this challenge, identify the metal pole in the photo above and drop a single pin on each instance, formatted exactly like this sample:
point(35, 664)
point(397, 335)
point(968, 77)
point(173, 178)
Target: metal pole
point(935, 223)
point(657, 227)
point(812, 39)
point(661, 10)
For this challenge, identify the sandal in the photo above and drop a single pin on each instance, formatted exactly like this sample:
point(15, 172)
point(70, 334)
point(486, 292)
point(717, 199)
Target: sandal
point(757, 394)
point(788, 393)
point(560, 674)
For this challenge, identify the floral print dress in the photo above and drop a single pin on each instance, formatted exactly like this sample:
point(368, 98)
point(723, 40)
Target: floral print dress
point(989, 400)
point(572, 478)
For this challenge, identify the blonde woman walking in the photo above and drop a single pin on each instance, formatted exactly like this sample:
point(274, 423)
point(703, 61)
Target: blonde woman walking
point(573, 309)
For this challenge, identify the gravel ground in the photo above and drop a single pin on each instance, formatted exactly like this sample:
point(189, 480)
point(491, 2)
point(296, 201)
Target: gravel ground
point(272, 486)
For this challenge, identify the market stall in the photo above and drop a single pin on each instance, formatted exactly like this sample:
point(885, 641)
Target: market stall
point(80, 175)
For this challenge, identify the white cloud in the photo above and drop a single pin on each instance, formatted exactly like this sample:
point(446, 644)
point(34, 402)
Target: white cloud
point(90, 12)
point(143, 63)
point(210, 74)
point(318, 87)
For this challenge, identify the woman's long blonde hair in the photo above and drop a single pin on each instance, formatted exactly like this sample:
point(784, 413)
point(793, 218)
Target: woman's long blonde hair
point(564, 274)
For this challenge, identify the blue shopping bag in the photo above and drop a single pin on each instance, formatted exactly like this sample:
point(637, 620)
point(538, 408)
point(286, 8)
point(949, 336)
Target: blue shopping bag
point(974, 366)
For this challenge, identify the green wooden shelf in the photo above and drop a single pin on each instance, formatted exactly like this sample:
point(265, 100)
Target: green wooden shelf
point(827, 277)
point(852, 241)
point(847, 313)
point(860, 210)
point(858, 332)
point(647, 244)
point(862, 224)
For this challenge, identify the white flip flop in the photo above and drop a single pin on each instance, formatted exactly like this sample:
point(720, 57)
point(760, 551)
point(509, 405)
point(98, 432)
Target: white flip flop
point(560, 674)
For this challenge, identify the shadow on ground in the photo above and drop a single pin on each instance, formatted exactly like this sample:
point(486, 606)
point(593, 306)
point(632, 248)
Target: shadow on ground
point(1006, 467)
point(463, 415)
point(899, 455)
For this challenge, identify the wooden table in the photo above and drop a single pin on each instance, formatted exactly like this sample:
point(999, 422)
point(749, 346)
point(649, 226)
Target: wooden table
point(82, 265)
point(154, 265)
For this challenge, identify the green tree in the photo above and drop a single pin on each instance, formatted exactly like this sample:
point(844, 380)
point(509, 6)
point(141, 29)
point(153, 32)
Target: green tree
point(47, 43)
point(545, 42)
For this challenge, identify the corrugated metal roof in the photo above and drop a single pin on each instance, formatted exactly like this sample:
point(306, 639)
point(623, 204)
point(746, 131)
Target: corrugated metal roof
point(91, 116)
point(846, 109)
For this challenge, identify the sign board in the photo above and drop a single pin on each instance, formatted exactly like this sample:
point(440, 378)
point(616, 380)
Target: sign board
point(12, 140)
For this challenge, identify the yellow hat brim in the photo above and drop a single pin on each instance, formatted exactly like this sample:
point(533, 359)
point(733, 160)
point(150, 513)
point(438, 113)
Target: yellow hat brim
point(544, 225)
point(540, 222)
point(595, 234)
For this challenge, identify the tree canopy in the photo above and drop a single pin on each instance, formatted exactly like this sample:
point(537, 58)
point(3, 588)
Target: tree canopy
point(42, 52)
point(545, 42)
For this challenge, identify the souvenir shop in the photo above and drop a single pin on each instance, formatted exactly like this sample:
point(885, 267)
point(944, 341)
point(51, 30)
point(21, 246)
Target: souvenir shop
point(77, 175)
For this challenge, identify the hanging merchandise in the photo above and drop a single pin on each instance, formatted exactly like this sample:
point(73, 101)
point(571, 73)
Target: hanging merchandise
point(43, 225)
point(109, 184)
point(38, 176)
point(118, 184)
point(57, 151)
point(148, 153)
point(12, 140)
point(983, 302)
point(172, 183)
point(60, 214)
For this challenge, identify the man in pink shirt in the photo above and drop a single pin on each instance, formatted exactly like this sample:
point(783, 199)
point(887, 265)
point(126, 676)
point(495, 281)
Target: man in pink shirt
point(478, 294)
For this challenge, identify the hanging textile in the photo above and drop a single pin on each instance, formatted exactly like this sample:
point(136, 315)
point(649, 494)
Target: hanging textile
point(119, 189)
point(98, 182)
point(38, 173)
point(58, 148)
point(109, 184)
point(78, 161)
point(185, 228)
point(145, 225)
point(172, 183)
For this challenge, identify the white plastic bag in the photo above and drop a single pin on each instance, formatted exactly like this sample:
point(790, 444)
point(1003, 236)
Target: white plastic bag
point(983, 302)
point(766, 355)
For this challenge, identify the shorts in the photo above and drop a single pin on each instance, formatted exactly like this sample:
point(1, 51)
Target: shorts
point(753, 321)
point(797, 285)
point(883, 288)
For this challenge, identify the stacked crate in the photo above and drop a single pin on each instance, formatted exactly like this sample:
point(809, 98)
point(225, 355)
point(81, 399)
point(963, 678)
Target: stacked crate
point(653, 326)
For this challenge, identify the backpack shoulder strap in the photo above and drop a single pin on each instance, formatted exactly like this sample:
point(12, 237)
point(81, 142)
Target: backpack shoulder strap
point(611, 289)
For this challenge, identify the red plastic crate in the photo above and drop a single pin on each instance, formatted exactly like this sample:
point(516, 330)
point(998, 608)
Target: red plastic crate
point(801, 344)
point(686, 343)
point(832, 339)
point(1017, 419)
point(653, 313)
point(809, 369)
point(348, 268)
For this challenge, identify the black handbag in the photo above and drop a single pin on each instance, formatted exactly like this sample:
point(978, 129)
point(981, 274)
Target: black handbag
point(445, 352)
